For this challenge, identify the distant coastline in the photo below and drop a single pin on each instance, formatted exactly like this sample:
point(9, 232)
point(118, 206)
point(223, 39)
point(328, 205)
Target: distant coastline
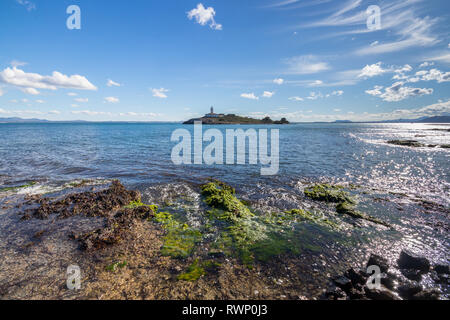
point(237, 120)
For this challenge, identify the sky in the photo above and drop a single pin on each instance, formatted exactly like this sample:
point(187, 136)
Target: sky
point(146, 60)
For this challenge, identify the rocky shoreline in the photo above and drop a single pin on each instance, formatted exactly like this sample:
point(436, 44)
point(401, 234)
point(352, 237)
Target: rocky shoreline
point(131, 250)
point(396, 282)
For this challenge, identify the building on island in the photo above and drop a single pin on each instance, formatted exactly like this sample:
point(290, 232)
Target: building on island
point(214, 115)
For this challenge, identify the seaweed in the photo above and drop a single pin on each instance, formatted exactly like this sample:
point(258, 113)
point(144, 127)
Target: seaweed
point(350, 210)
point(328, 193)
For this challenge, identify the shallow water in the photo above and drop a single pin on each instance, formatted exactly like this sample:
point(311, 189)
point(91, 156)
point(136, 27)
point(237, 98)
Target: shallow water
point(393, 181)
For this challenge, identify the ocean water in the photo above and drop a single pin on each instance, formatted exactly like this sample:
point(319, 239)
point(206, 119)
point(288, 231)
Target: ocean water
point(139, 154)
point(407, 187)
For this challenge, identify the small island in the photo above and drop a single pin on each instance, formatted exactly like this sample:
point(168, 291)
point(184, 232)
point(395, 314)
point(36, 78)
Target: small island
point(215, 118)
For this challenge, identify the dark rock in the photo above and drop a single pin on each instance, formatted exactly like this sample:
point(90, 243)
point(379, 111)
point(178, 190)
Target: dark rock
point(412, 274)
point(428, 294)
point(343, 282)
point(410, 260)
point(442, 269)
point(355, 294)
point(440, 278)
point(335, 293)
point(408, 290)
point(388, 282)
point(381, 262)
point(381, 294)
point(357, 277)
point(91, 204)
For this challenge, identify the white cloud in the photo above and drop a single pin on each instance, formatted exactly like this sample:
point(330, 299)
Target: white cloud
point(314, 96)
point(405, 68)
point(204, 16)
point(27, 4)
point(54, 112)
point(40, 101)
point(444, 57)
point(337, 93)
point(31, 91)
point(268, 94)
point(112, 100)
point(160, 93)
point(249, 96)
point(373, 70)
point(72, 94)
point(426, 64)
point(316, 83)
point(307, 64)
point(17, 63)
point(296, 99)
point(111, 83)
point(17, 77)
point(82, 100)
point(373, 44)
point(278, 81)
point(398, 92)
point(434, 74)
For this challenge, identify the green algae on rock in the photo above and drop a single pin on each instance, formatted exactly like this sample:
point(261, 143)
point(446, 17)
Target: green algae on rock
point(350, 210)
point(6, 189)
point(249, 236)
point(115, 266)
point(328, 193)
point(198, 269)
point(180, 240)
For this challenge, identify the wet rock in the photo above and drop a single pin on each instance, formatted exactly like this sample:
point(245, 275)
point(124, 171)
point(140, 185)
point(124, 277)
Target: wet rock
point(335, 293)
point(406, 143)
point(388, 282)
point(428, 294)
point(440, 278)
point(92, 204)
point(115, 229)
point(355, 294)
point(381, 262)
point(356, 276)
point(408, 290)
point(442, 269)
point(410, 260)
point(381, 293)
point(343, 282)
point(412, 274)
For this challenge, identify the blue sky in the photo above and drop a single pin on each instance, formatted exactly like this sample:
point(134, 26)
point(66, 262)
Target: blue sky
point(144, 60)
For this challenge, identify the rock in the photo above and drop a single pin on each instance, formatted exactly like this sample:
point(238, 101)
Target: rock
point(356, 277)
point(410, 260)
point(381, 262)
point(412, 274)
point(407, 143)
point(388, 282)
point(410, 289)
point(428, 294)
point(335, 293)
point(343, 282)
point(381, 294)
point(442, 269)
point(440, 278)
point(356, 294)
